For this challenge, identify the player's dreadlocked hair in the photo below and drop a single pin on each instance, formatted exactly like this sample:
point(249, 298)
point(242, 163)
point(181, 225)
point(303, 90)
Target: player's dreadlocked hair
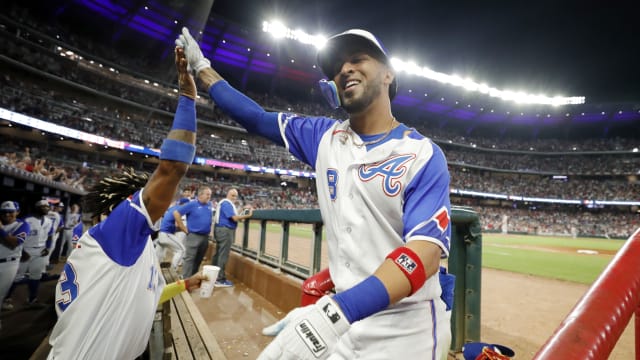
point(111, 191)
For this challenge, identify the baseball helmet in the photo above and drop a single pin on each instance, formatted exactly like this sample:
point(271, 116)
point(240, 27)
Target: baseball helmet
point(348, 40)
point(473, 350)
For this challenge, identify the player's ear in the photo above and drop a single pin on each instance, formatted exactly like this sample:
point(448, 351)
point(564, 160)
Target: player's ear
point(389, 76)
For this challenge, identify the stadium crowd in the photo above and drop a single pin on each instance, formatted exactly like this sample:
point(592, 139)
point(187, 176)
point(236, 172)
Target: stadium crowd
point(121, 122)
point(562, 222)
point(122, 104)
point(543, 186)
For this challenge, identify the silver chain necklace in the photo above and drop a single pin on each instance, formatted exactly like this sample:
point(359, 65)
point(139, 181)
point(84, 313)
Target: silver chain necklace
point(366, 143)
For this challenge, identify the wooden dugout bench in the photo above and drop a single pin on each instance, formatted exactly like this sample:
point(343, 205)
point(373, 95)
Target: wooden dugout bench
point(179, 330)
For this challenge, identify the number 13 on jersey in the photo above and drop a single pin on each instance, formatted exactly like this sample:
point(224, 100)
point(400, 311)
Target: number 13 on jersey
point(68, 287)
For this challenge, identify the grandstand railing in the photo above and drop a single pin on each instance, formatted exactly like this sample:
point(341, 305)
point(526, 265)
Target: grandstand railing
point(465, 259)
point(282, 261)
point(10, 171)
point(593, 327)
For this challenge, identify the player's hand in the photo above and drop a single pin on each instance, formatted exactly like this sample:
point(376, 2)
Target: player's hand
point(24, 257)
point(44, 252)
point(192, 51)
point(311, 333)
point(185, 81)
point(195, 281)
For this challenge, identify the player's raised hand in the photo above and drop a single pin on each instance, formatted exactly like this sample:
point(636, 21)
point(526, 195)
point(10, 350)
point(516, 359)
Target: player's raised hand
point(185, 80)
point(194, 55)
point(311, 333)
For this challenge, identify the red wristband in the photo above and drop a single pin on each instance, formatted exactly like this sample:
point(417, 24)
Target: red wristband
point(410, 264)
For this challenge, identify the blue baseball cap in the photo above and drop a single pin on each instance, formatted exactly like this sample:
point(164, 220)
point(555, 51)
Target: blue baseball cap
point(470, 351)
point(348, 40)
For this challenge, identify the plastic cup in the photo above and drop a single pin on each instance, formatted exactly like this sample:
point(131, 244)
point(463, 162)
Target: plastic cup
point(211, 272)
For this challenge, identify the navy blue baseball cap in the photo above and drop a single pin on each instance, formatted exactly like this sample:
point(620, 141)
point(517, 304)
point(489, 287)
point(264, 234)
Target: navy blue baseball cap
point(470, 351)
point(348, 40)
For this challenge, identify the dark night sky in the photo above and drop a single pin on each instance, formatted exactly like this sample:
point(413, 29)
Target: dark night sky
point(563, 47)
point(555, 47)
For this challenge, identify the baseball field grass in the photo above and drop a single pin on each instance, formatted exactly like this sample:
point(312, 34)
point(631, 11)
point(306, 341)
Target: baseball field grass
point(579, 260)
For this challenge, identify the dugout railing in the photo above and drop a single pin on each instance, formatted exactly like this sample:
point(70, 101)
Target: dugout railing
point(594, 325)
point(465, 260)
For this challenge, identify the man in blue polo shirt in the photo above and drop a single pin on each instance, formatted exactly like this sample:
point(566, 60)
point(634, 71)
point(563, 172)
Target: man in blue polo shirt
point(198, 229)
point(225, 230)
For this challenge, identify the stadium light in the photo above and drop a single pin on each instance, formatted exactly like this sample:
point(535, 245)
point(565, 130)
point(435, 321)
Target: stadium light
point(411, 68)
point(279, 30)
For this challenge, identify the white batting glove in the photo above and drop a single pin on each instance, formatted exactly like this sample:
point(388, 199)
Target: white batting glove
point(311, 333)
point(192, 51)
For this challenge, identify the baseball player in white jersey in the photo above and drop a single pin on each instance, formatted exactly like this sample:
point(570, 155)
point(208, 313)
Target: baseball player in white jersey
point(71, 219)
point(111, 284)
point(56, 218)
point(36, 244)
point(13, 233)
point(383, 191)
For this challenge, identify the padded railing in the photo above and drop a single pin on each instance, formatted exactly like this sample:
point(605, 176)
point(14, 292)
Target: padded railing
point(593, 327)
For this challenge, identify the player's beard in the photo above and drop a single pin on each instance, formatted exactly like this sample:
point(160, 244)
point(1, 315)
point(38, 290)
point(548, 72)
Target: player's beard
point(371, 91)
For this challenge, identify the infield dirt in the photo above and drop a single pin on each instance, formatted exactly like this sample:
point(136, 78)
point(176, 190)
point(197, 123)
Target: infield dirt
point(523, 311)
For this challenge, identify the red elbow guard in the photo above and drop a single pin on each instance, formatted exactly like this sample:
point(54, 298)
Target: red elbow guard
point(410, 264)
point(316, 286)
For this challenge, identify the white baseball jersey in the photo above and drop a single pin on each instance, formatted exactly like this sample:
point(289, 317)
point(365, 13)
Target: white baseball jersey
point(56, 218)
point(36, 240)
point(11, 257)
point(19, 229)
point(71, 220)
point(374, 200)
point(109, 289)
point(40, 231)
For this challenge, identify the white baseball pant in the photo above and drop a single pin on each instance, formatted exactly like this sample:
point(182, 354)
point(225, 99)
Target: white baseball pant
point(175, 242)
point(34, 267)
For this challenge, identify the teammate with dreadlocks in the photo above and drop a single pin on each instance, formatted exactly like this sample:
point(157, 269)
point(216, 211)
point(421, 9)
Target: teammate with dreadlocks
point(110, 286)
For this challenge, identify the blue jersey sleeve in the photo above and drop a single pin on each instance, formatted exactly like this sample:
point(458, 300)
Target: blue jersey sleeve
point(124, 233)
point(77, 232)
point(168, 223)
point(21, 232)
point(427, 209)
point(303, 135)
point(246, 111)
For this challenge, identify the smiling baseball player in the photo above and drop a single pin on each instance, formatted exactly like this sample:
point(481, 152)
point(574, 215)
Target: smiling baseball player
point(383, 191)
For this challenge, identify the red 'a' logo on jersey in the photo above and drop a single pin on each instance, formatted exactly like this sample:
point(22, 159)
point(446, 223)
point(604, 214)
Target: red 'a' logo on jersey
point(442, 219)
